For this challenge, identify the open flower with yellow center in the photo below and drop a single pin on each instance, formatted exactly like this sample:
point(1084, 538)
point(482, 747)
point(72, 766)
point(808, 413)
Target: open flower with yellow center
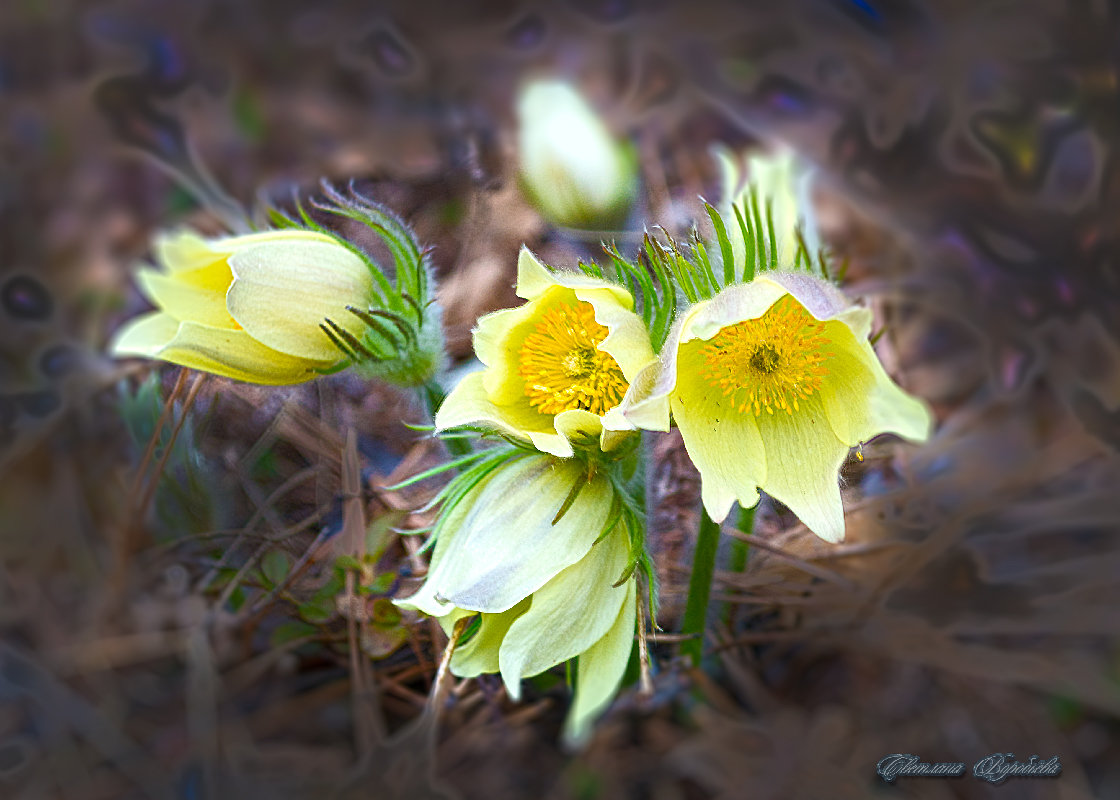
point(543, 587)
point(250, 307)
point(557, 367)
point(771, 383)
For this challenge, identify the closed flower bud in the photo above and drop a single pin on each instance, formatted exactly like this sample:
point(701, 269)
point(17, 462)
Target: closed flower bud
point(571, 166)
point(285, 306)
point(248, 307)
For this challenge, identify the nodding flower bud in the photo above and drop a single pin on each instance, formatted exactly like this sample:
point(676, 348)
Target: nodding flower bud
point(575, 172)
point(284, 306)
point(535, 547)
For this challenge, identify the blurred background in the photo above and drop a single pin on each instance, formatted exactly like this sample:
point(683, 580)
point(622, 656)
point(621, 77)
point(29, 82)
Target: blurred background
point(195, 573)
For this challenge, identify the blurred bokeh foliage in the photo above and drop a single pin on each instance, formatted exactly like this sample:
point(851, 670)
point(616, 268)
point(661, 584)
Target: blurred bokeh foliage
point(195, 573)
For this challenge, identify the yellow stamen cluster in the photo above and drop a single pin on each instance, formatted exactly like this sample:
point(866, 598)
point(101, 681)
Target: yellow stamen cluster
point(770, 362)
point(564, 368)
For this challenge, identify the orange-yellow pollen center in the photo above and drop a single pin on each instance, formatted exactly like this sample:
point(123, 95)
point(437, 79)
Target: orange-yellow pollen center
point(564, 368)
point(770, 362)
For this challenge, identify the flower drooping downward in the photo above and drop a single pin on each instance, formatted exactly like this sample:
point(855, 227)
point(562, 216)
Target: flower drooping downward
point(771, 383)
point(556, 368)
point(541, 570)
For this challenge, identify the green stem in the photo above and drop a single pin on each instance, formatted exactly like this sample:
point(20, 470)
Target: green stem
point(700, 588)
point(740, 549)
point(432, 396)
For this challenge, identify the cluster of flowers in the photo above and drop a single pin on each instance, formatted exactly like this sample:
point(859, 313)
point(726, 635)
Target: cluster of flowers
point(761, 362)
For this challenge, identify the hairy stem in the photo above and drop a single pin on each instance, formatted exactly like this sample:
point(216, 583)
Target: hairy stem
point(700, 588)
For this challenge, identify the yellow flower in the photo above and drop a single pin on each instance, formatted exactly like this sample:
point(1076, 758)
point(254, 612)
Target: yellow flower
point(545, 592)
point(249, 307)
point(573, 169)
point(557, 367)
point(771, 383)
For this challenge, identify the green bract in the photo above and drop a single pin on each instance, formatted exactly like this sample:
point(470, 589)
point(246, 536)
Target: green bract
point(782, 179)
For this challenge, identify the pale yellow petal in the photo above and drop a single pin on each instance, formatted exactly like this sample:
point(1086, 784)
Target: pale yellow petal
point(533, 277)
point(567, 615)
point(599, 672)
point(504, 545)
point(470, 404)
point(145, 335)
point(231, 244)
point(646, 404)
point(733, 305)
point(508, 330)
point(723, 442)
point(479, 656)
point(615, 420)
point(579, 427)
point(184, 251)
point(860, 398)
point(428, 600)
point(187, 300)
point(283, 289)
point(610, 440)
point(492, 330)
point(230, 353)
point(628, 339)
point(215, 277)
point(803, 458)
point(552, 443)
point(448, 620)
point(822, 299)
point(580, 283)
